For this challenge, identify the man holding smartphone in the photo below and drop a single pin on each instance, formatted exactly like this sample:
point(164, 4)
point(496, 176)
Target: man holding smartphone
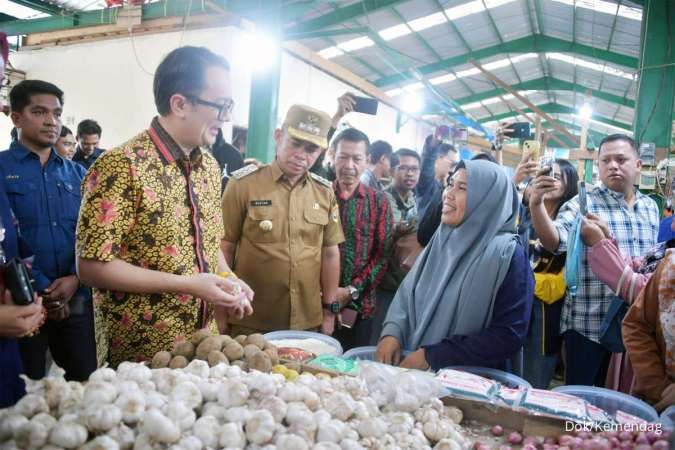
point(633, 220)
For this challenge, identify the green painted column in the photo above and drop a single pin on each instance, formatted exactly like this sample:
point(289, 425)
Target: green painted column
point(262, 113)
point(656, 86)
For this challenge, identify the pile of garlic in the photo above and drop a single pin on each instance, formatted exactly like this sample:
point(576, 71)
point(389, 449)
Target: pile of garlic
point(222, 407)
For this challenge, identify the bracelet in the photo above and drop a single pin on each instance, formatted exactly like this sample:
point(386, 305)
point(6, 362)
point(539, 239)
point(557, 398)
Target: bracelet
point(227, 274)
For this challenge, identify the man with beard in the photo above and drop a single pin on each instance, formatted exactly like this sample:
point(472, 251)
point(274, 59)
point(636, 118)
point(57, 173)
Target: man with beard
point(44, 192)
point(367, 223)
point(617, 208)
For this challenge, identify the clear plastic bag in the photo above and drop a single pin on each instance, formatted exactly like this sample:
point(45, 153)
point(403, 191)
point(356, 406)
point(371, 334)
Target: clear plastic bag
point(555, 403)
point(468, 385)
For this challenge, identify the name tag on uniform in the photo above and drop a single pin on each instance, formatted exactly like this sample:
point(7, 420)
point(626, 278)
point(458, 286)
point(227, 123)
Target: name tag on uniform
point(261, 202)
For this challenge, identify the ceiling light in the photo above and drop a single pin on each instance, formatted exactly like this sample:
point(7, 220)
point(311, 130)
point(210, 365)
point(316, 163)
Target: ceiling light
point(356, 44)
point(394, 32)
point(257, 50)
point(427, 21)
point(605, 7)
point(331, 52)
point(586, 111)
point(412, 103)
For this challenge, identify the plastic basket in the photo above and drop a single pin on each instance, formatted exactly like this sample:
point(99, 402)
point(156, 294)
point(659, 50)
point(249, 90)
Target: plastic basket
point(668, 418)
point(612, 401)
point(367, 353)
point(506, 379)
point(296, 334)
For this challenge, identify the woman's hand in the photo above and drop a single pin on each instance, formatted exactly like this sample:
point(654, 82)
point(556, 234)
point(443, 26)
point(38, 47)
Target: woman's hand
point(591, 233)
point(388, 351)
point(416, 360)
point(667, 398)
point(18, 321)
point(542, 185)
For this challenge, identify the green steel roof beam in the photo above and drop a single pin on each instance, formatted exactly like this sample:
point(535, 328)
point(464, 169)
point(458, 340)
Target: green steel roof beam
point(6, 17)
point(609, 43)
point(528, 44)
point(553, 108)
point(358, 59)
point(499, 36)
point(594, 134)
point(344, 14)
point(548, 83)
point(436, 55)
point(540, 22)
point(574, 39)
point(41, 6)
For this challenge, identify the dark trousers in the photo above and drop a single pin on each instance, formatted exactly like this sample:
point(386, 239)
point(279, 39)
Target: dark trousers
point(357, 336)
point(586, 361)
point(71, 343)
point(384, 299)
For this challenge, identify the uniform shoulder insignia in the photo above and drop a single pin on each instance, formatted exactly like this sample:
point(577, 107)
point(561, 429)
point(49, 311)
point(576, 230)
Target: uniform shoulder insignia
point(321, 180)
point(244, 171)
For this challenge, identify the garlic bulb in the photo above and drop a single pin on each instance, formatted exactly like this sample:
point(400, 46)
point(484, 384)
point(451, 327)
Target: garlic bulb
point(218, 371)
point(447, 444)
point(238, 414)
point(56, 389)
point(10, 424)
point(44, 419)
point(276, 406)
point(101, 418)
point(97, 392)
point(232, 436)
point(371, 427)
point(155, 400)
point(312, 400)
point(209, 390)
point(31, 436)
point(290, 392)
point(340, 405)
point(298, 414)
point(206, 429)
point(214, 409)
point(134, 372)
point(436, 430)
point(123, 435)
point(159, 428)
point(400, 423)
point(132, 405)
point(260, 427)
point(291, 442)
point(101, 443)
point(331, 431)
point(187, 443)
point(326, 446)
point(30, 405)
point(233, 393)
point(261, 384)
point(453, 413)
point(187, 393)
point(180, 414)
point(198, 368)
point(103, 374)
point(351, 444)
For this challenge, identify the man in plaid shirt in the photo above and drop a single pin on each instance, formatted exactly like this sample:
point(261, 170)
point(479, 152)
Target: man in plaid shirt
point(367, 224)
point(633, 219)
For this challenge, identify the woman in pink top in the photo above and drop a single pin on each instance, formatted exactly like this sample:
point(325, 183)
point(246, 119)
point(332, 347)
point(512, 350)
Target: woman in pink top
point(626, 276)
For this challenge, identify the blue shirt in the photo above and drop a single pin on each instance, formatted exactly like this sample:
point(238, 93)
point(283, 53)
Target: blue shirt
point(46, 203)
point(666, 232)
point(87, 162)
point(508, 326)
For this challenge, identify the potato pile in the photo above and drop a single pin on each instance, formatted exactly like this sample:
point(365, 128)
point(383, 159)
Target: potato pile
point(245, 352)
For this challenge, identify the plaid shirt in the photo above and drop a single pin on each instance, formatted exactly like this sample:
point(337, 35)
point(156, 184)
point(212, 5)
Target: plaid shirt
point(635, 232)
point(367, 224)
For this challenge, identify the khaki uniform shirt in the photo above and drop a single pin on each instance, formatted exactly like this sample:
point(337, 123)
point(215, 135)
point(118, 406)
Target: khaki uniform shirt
point(280, 231)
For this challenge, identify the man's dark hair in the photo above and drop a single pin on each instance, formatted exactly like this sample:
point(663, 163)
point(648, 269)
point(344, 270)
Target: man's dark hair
point(65, 131)
point(14, 134)
point(183, 72)
point(20, 95)
point(400, 153)
point(377, 150)
point(351, 135)
point(619, 137)
point(484, 157)
point(444, 149)
point(88, 127)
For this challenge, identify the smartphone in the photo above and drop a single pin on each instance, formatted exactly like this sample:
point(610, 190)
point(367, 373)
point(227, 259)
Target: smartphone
point(365, 105)
point(17, 281)
point(534, 148)
point(348, 317)
point(519, 130)
point(443, 132)
point(583, 201)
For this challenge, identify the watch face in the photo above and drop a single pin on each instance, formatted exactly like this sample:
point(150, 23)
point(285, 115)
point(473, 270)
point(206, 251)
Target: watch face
point(335, 307)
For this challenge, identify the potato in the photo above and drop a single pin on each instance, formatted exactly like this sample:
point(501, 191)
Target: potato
point(206, 346)
point(241, 364)
point(200, 335)
point(161, 360)
point(241, 339)
point(250, 350)
point(274, 356)
point(256, 339)
point(185, 348)
point(234, 351)
point(260, 361)
point(178, 362)
point(224, 340)
point(216, 357)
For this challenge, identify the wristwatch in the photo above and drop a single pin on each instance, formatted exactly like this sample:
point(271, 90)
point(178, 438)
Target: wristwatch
point(353, 292)
point(333, 307)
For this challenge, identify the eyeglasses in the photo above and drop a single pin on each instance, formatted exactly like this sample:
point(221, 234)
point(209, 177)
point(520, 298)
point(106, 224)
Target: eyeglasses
point(223, 109)
point(408, 169)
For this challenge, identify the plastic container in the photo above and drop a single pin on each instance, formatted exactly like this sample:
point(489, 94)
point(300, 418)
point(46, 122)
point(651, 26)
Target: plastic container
point(296, 334)
point(507, 379)
point(612, 401)
point(367, 353)
point(668, 418)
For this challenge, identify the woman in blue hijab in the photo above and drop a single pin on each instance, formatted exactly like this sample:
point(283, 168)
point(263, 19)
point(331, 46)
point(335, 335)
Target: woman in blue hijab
point(467, 300)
